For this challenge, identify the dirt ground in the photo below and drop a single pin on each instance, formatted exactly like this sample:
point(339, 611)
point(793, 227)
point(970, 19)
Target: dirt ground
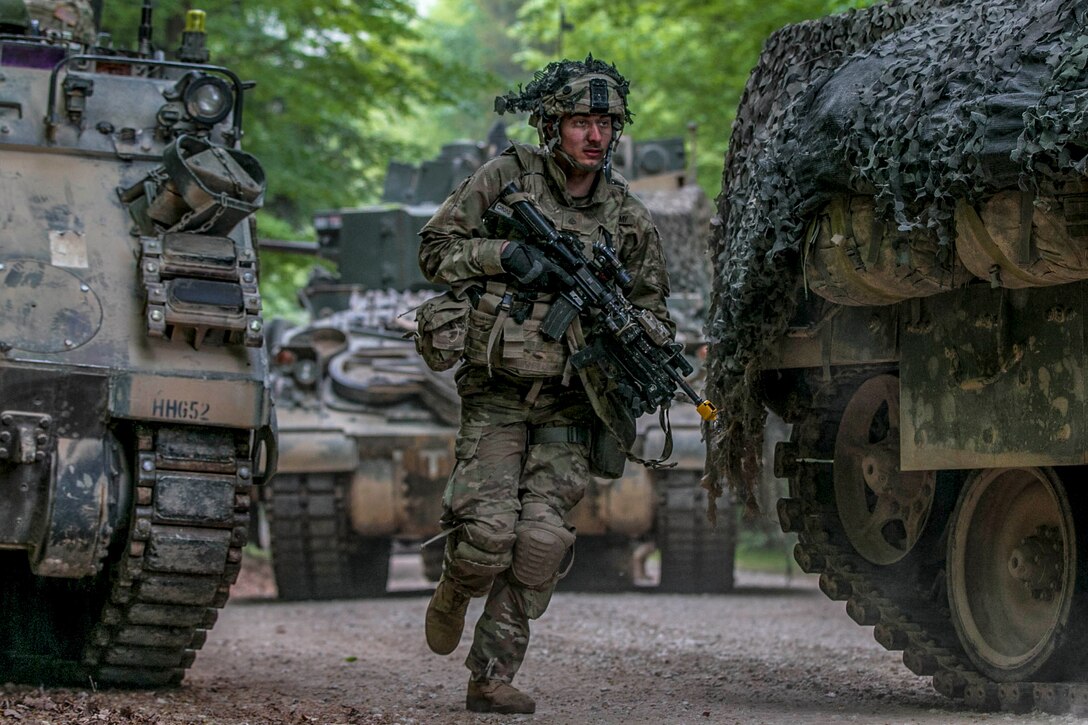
point(773, 652)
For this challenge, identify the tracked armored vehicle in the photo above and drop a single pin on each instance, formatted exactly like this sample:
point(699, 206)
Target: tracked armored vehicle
point(367, 430)
point(134, 409)
point(367, 443)
point(901, 275)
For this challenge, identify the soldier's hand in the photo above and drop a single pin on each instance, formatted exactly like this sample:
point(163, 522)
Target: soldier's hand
point(532, 269)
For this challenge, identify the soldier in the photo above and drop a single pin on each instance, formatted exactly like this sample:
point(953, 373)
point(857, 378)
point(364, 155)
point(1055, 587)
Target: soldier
point(523, 455)
point(71, 18)
point(14, 19)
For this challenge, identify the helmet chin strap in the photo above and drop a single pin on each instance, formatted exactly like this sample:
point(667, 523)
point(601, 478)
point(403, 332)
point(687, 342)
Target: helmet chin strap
point(606, 167)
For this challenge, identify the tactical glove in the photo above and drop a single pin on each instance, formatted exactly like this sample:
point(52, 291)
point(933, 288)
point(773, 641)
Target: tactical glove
point(533, 271)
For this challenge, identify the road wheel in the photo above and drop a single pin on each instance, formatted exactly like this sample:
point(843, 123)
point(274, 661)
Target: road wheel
point(883, 510)
point(1016, 574)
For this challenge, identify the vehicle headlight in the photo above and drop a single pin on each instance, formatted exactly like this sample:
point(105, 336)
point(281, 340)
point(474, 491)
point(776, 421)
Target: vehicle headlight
point(208, 99)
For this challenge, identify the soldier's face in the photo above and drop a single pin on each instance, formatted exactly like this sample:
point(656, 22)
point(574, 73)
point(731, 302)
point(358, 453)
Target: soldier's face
point(585, 137)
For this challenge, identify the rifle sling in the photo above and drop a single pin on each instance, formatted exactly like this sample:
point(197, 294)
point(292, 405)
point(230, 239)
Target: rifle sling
point(666, 450)
point(501, 314)
point(576, 340)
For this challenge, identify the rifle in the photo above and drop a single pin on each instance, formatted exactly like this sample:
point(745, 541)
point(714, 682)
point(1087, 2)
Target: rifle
point(633, 347)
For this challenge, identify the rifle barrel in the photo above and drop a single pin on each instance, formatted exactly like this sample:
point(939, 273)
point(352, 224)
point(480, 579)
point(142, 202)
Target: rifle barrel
point(284, 245)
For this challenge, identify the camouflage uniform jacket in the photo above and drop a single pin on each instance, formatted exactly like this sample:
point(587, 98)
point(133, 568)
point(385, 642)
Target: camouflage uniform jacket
point(456, 249)
point(65, 16)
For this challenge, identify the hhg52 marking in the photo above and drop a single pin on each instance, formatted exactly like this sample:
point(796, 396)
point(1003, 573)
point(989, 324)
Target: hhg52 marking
point(180, 409)
point(199, 401)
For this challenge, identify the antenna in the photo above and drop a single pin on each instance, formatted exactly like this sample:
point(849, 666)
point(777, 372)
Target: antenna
point(693, 162)
point(145, 49)
point(564, 26)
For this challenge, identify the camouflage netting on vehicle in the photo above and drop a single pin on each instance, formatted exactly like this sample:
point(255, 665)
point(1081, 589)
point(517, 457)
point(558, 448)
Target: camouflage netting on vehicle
point(918, 104)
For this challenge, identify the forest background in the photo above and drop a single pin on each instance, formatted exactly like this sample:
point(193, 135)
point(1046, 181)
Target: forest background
point(343, 87)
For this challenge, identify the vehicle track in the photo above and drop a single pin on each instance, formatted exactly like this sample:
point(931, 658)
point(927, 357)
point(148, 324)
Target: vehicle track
point(904, 603)
point(184, 550)
point(315, 554)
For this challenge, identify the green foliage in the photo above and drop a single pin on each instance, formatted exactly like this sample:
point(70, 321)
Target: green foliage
point(762, 545)
point(687, 60)
point(472, 33)
point(343, 88)
point(329, 77)
point(284, 273)
point(773, 557)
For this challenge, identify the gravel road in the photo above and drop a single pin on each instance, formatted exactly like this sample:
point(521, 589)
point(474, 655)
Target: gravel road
point(772, 652)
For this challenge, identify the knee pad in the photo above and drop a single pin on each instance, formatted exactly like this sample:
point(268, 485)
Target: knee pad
point(470, 560)
point(538, 551)
point(470, 552)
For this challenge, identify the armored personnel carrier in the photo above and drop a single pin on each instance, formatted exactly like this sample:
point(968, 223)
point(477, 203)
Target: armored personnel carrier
point(134, 410)
point(367, 430)
point(366, 443)
point(901, 275)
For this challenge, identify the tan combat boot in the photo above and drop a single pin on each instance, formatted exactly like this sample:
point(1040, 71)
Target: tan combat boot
point(496, 696)
point(445, 618)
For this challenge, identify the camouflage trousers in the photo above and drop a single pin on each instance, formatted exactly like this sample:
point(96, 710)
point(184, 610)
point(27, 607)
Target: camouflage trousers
point(498, 480)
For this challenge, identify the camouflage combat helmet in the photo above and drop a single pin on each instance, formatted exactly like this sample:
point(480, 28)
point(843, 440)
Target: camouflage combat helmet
point(566, 87)
point(14, 17)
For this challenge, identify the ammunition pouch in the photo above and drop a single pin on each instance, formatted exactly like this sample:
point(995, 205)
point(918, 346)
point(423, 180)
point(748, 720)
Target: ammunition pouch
point(607, 455)
point(500, 336)
point(441, 326)
point(538, 552)
point(558, 320)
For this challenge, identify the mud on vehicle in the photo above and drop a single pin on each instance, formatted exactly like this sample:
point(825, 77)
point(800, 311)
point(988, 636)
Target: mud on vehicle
point(901, 276)
point(134, 410)
point(367, 430)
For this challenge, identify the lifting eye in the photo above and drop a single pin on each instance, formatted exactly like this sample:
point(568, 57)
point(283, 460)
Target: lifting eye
point(208, 99)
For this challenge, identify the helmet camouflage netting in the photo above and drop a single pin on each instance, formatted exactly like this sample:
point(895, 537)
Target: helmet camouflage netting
point(570, 86)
